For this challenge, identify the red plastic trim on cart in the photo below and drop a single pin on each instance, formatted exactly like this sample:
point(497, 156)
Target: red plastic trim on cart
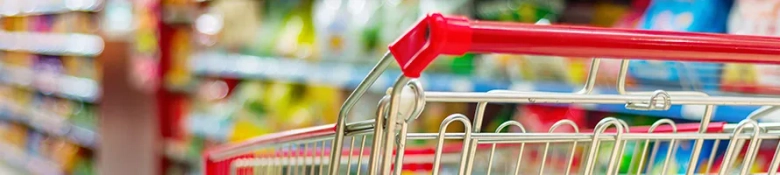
point(436, 34)
point(214, 167)
point(713, 127)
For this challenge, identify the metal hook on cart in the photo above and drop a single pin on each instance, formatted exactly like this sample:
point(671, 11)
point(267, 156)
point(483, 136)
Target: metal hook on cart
point(493, 146)
point(653, 102)
point(705, 120)
point(573, 146)
point(418, 100)
point(601, 127)
point(670, 150)
point(440, 143)
point(419, 104)
point(730, 151)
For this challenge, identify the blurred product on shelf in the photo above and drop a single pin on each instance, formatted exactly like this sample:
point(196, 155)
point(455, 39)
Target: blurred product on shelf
point(179, 75)
point(683, 15)
point(145, 49)
point(233, 29)
point(49, 85)
point(632, 18)
point(345, 29)
point(40, 7)
point(47, 154)
point(537, 118)
point(753, 17)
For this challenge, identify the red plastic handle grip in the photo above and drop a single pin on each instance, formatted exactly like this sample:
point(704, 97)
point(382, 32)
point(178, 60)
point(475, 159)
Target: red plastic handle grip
point(436, 34)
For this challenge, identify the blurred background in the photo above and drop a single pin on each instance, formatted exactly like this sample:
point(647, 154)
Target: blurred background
point(145, 86)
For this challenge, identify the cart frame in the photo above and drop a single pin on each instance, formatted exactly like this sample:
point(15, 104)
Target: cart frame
point(437, 34)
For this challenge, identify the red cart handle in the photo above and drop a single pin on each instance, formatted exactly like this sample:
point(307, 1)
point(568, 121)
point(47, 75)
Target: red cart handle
point(437, 34)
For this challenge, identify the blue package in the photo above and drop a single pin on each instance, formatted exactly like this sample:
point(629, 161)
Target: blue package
point(682, 156)
point(682, 15)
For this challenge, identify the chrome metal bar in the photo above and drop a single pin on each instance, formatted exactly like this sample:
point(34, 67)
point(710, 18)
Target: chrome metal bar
point(477, 125)
point(288, 162)
point(399, 158)
point(547, 145)
point(487, 138)
point(349, 159)
point(519, 159)
point(381, 112)
point(493, 147)
point(751, 151)
point(303, 156)
point(350, 102)
point(590, 81)
point(465, 97)
point(440, 144)
point(622, 146)
point(362, 148)
point(775, 161)
point(600, 128)
point(712, 156)
point(703, 124)
point(419, 105)
point(763, 112)
point(643, 157)
point(314, 156)
point(322, 162)
point(390, 134)
point(727, 158)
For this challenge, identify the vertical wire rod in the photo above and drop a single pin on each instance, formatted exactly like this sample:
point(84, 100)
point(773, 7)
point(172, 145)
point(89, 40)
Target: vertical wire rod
point(493, 146)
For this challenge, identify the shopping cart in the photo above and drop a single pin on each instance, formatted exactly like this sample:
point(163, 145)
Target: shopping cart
point(378, 146)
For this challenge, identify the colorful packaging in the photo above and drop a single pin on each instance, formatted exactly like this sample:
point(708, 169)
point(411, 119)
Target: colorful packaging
point(539, 118)
point(233, 28)
point(528, 11)
point(753, 17)
point(397, 17)
point(179, 74)
point(296, 38)
point(682, 15)
point(333, 22)
point(527, 67)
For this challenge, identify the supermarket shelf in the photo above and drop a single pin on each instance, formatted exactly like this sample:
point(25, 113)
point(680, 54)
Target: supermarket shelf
point(75, 88)
point(48, 123)
point(349, 76)
point(40, 7)
point(32, 164)
point(56, 44)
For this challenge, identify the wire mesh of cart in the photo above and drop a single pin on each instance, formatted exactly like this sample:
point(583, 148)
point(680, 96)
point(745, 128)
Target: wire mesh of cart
point(379, 146)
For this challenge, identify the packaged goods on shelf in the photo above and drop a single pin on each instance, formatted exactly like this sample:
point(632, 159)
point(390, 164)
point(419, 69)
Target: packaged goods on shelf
point(233, 28)
point(347, 30)
point(179, 75)
point(682, 15)
point(49, 80)
point(752, 17)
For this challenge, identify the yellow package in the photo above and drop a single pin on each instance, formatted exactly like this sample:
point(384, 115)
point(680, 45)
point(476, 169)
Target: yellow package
point(179, 74)
point(278, 97)
point(248, 127)
point(738, 77)
point(325, 101)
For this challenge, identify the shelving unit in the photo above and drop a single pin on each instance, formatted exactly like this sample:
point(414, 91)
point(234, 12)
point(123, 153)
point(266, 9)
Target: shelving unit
point(50, 85)
point(348, 76)
point(27, 162)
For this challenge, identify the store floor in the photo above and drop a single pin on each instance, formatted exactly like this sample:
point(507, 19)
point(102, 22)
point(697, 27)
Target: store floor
point(8, 170)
